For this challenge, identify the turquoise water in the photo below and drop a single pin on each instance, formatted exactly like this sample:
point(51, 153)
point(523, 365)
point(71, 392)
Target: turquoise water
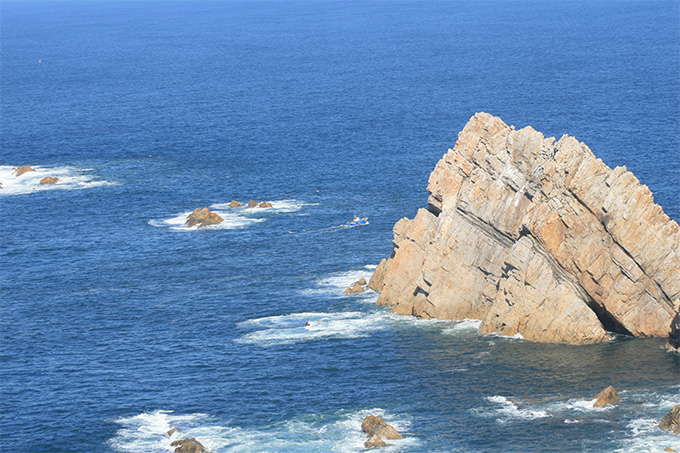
point(118, 324)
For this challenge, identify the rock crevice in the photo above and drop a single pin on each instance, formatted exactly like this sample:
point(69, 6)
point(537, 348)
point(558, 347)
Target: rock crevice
point(535, 237)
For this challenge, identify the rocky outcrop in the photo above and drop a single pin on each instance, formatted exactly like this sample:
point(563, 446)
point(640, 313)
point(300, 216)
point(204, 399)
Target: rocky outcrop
point(203, 217)
point(537, 237)
point(265, 204)
point(23, 169)
point(374, 442)
point(606, 397)
point(253, 204)
point(188, 446)
point(354, 289)
point(374, 425)
point(235, 204)
point(671, 421)
point(49, 180)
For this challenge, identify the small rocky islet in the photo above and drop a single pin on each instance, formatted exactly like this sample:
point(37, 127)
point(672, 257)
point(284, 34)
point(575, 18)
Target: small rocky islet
point(200, 218)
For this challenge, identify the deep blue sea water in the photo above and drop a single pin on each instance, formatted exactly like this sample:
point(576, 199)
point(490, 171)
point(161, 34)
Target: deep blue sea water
point(116, 324)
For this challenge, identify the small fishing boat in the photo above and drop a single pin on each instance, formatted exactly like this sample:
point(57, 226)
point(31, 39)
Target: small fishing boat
point(356, 221)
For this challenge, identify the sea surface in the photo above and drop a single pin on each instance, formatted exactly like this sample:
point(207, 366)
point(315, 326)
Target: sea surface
point(117, 323)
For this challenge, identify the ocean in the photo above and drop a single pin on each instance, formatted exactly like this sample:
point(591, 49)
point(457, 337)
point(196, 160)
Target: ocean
point(118, 323)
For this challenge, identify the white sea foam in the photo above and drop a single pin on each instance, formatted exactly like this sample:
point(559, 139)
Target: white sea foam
point(507, 410)
point(336, 283)
point(233, 218)
point(292, 328)
point(70, 178)
point(646, 436)
point(465, 325)
point(338, 432)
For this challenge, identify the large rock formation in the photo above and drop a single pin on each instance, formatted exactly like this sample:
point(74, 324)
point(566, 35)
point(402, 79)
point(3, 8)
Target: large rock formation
point(203, 217)
point(671, 421)
point(535, 237)
point(606, 397)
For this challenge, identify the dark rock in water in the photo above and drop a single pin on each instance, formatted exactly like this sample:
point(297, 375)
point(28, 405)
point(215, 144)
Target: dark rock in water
point(307, 324)
point(537, 237)
point(203, 217)
point(671, 421)
point(235, 204)
point(374, 442)
point(265, 204)
point(374, 425)
point(188, 446)
point(606, 397)
point(253, 204)
point(49, 180)
point(674, 337)
point(356, 289)
point(21, 170)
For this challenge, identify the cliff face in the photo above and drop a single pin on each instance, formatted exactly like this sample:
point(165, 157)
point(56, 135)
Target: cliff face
point(535, 237)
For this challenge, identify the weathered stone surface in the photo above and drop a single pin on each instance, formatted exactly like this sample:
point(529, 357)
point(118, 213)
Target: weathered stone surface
point(362, 281)
point(669, 449)
point(203, 217)
point(171, 432)
point(374, 425)
point(253, 204)
point(49, 180)
point(671, 421)
point(355, 289)
point(21, 170)
point(188, 446)
point(235, 204)
point(606, 397)
point(265, 204)
point(535, 237)
point(374, 442)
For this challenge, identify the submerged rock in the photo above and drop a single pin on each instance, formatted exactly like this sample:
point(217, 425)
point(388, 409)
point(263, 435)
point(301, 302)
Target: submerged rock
point(374, 441)
point(374, 425)
point(535, 237)
point(671, 421)
point(188, 446)
point(606, 397)
point(49, 180)
point(235, 204)
point(203, 217)
point(21, 170)
point(355, 289)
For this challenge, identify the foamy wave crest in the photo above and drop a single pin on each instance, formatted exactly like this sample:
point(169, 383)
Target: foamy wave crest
point(336, 283)
point(70, 178)
point(646, 436)
point(337, 432)
point(234, 218)
point(465, 325)
point(293, 328)
point(508, 410)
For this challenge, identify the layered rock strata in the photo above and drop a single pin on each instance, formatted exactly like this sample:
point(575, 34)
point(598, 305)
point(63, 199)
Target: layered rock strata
point(537, 237)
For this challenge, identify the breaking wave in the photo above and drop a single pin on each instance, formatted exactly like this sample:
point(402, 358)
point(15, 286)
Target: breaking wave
point(70, 178)
point(336, 432)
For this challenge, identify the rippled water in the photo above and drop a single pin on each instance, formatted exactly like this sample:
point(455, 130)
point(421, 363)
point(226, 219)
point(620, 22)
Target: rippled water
point(118, 323)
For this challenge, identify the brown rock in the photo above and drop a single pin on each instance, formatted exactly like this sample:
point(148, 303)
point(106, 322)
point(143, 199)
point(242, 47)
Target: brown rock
point(671, 421)
point(362, 281)
point(374, 442)
point(252, 204)
point(171, 432)
point(203, 217)
point(49, 180)
point(21, 170)
point(265, 204)
point(188, 446)
point(606, 397)
point(669, 449)
point(374, 425)
point(355, 289)
point(536, 237)
point(235, 204)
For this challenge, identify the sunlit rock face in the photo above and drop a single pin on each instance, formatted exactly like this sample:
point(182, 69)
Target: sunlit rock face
point(537, 237)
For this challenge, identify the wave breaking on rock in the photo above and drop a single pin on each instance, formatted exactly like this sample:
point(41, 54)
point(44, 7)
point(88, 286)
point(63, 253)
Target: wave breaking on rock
point(537, 237)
